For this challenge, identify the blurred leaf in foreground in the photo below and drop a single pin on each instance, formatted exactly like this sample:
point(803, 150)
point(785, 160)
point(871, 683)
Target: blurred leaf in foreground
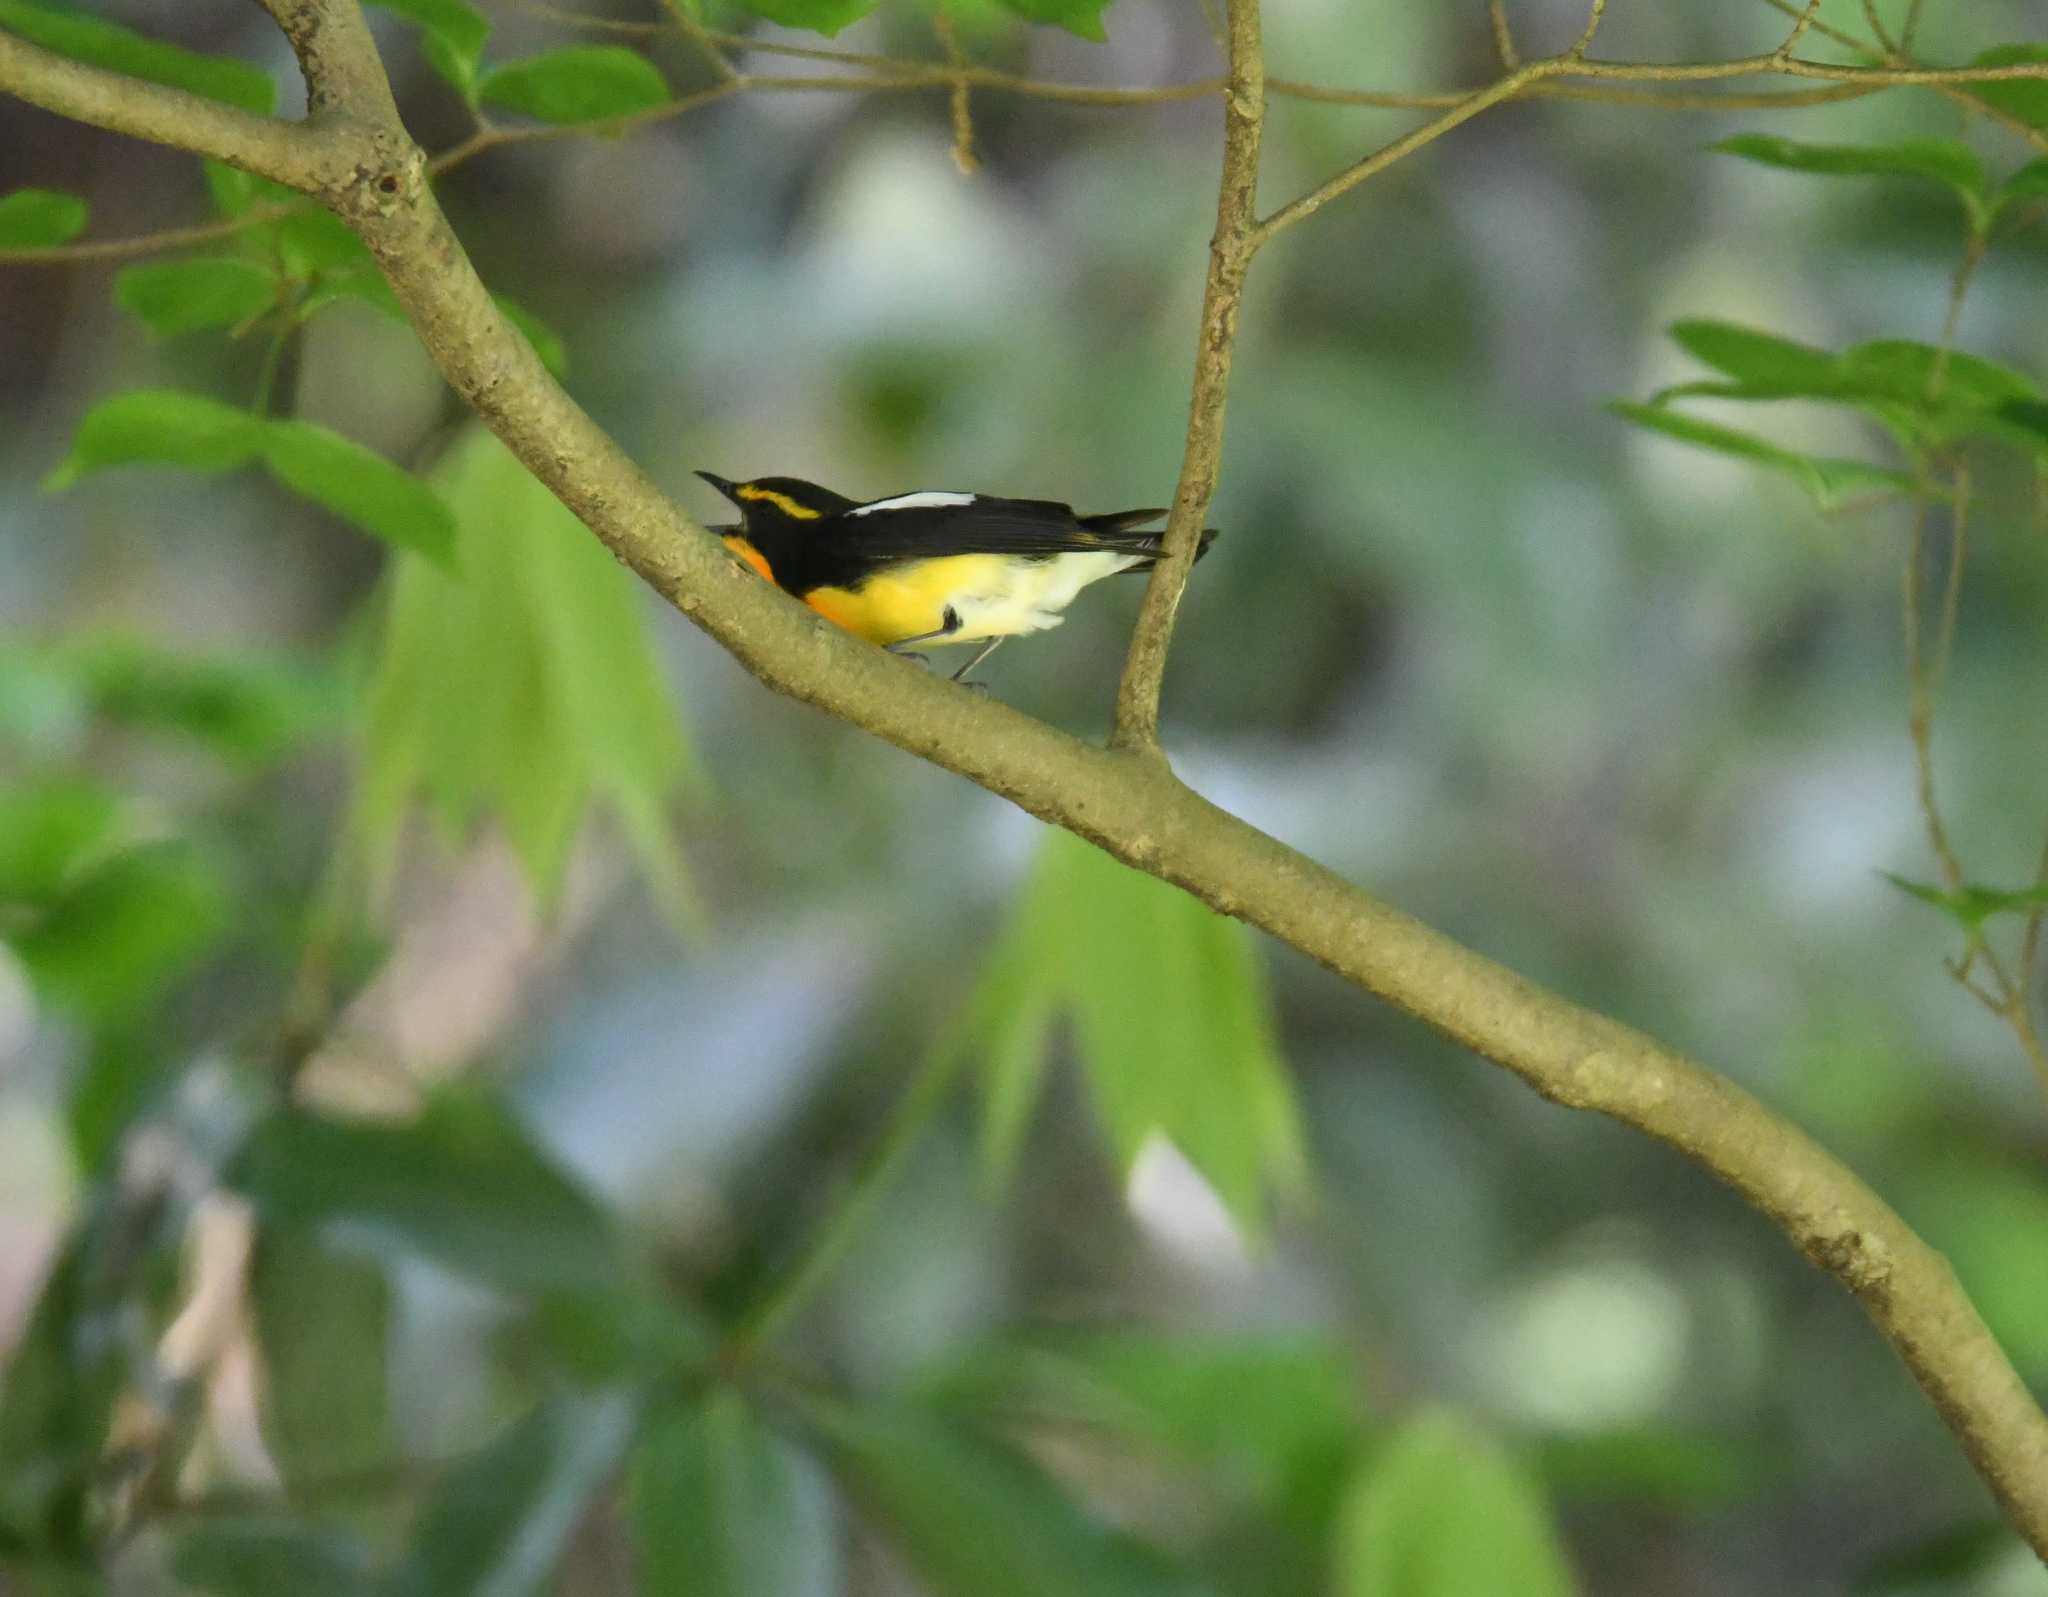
point(526, 693)
point(1171, 1021)
point(39, 219)
point(498, 1527)
point(462, 1185)
point(1441, 1511)
point(977, 1520)
point(724, 1507)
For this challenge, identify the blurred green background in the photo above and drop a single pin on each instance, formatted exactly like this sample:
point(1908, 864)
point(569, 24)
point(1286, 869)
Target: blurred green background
point(1628, 717)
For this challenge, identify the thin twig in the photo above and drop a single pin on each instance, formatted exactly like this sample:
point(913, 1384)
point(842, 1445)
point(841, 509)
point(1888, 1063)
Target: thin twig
point(1886, 43)
point(1827, 30)
point(1595, 13)
point(169, 238)
point(963, 117)
point(1399, 149)
point(1503, 35)
point(850, 1210)
point(700, 38)
point(1231, 247)
point(1910, 26)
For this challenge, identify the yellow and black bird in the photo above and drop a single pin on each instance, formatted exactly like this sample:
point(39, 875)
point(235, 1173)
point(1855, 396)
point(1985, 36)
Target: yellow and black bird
point(934, 568)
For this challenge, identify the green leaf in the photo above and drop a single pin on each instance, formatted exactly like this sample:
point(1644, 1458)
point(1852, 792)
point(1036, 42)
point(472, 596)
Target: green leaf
point(1970, 905)
point(127, 929)
point(1678, 1469)
point(463, 1185)
point(160, 427)
point(315, 242)
point(1171, 1017)
point(723, 1507)
point(500, 1523)
point(322, 1321)
point(527, 694)
point(2030, 182)
point(105, 44)
point(34, 219)
point(546, 342)
point(1766, 365)
point(620, 1334)
point(1076, 16)
point(1947, 161)
point(361, 487)
point(820, 16)
point(1987, 1211)
point(579, 83)
point(57, 1401)
point(1923, 394)
point(1956, 1558)
point(453, 35)
point(249, 707)
point(1441, 1511)
point(977, 1520)
point(1903, 371)
point(1829, 481)
point(47, 829)
point(171, 297)
point(264, 1555)
point(364, 286)
point(1278, 1418)
point(2023, 98)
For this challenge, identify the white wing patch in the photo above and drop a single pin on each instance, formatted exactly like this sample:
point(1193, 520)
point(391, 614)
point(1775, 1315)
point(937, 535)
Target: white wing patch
point(916, 501)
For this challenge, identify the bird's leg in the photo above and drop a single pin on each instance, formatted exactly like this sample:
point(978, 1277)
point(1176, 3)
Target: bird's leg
point(900, 646)
point(984, 652)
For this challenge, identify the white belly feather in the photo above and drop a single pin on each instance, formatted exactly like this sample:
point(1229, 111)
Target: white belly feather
point(1030, 594)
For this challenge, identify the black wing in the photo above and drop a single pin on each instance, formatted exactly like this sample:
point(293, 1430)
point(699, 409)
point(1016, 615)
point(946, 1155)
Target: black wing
point(991, 526)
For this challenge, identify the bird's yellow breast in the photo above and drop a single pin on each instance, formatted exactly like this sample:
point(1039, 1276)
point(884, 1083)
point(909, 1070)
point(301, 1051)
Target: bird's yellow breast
point(910, 601)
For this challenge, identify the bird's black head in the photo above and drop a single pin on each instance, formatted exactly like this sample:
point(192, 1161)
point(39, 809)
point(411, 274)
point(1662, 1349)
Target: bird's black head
point(772, 505)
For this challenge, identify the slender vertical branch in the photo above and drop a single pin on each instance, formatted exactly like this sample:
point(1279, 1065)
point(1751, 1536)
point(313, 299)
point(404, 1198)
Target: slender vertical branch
point(1230, 253)
point(849, 1211)
point(963, 116)
point(1503, 35)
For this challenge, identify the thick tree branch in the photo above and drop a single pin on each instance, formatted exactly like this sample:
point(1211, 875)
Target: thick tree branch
point(1127, 802)
point(281, 151)
point(1230, 253)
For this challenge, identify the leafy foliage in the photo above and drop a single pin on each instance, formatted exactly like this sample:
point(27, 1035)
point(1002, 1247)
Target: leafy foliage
point(171, 297)
point(977, 1520)
point(500, 1522)
point(1171, 1023)
point(1441, 1511)
point(578, 83)
point(452, 37)
point(39, 218)
point(724, 1507)
point(1970, 905)
point(462, 1185)
point(246, 707)
point(164, 427)
point(58, 1401)
point(259, 1555)
point(100, 43)
point(2023, 98)
point(525, 692)
point(322, 1320)
point(1828, 480)
point(1946, 161)
point(122, 928)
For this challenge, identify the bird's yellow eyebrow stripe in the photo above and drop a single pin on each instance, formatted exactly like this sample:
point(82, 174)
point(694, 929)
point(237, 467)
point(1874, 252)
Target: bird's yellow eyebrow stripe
point(782, 502)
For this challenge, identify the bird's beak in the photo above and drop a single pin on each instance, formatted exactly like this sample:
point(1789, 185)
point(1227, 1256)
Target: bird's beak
point(721, 485)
